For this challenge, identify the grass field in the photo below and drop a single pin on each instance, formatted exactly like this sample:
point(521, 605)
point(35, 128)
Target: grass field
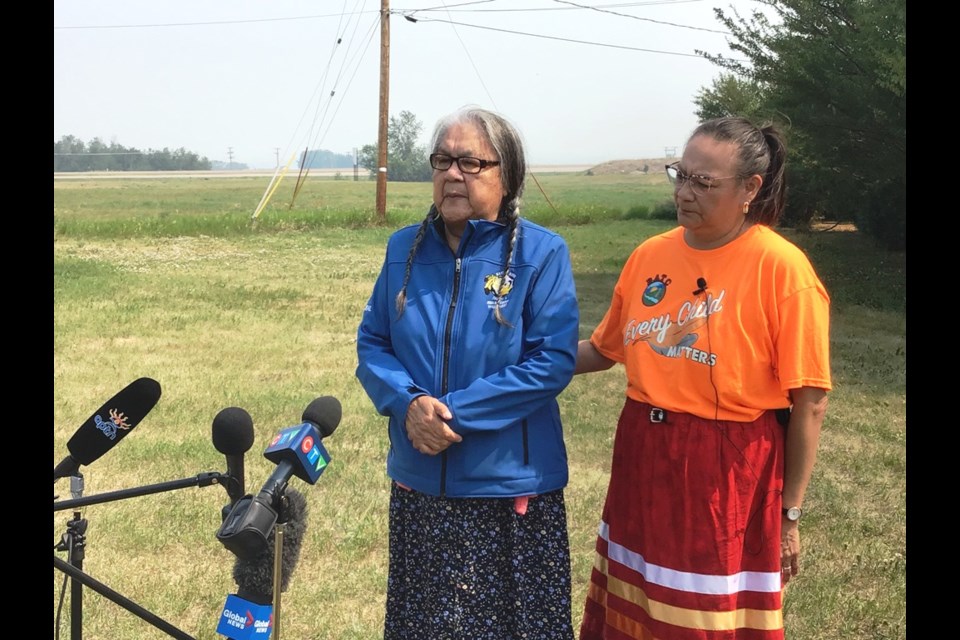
point(169, 279)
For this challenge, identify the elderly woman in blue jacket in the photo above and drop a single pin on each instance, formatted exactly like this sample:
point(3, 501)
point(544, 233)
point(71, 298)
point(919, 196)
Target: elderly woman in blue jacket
point(467, 339)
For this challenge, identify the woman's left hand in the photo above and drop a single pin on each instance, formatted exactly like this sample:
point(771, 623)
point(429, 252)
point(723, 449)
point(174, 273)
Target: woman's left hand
point(789, 550)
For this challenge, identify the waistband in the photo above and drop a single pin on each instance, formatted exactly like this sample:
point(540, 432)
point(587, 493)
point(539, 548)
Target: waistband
point(658, 415)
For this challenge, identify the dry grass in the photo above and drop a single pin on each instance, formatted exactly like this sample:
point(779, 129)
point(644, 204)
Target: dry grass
point(267, 322)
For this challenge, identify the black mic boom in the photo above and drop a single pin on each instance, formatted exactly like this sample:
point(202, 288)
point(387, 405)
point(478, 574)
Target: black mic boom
point(254, 576)
point(108, 425)
point(233, 437)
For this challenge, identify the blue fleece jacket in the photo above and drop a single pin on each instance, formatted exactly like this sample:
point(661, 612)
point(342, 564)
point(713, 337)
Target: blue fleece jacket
point(500, 382)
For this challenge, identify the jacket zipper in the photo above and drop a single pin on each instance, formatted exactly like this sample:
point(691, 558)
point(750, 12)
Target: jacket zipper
point(526, 444)
point(445, 367)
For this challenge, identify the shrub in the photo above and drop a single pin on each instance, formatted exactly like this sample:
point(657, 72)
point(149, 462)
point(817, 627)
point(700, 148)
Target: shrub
point(666, 210)
point(637, 212)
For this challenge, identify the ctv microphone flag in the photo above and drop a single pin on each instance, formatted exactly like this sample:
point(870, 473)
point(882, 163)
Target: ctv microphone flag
point(301, 446)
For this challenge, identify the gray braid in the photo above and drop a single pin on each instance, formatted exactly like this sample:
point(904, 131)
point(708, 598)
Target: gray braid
point(509, 215)
point(401, 300)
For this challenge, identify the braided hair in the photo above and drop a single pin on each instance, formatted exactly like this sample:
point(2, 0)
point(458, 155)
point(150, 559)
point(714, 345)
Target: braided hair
point(508, 146)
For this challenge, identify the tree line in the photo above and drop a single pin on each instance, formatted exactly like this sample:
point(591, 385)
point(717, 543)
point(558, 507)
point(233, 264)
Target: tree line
point(73, 154)
point(833, 75)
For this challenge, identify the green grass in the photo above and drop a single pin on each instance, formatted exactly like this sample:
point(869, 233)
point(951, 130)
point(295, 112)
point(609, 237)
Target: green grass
point(169, 279)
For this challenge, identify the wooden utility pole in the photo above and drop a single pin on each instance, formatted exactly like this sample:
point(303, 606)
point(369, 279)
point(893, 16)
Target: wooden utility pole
point(384, 109)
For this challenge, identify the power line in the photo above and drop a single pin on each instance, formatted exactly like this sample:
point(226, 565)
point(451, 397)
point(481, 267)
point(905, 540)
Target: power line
point(199, 24)
point(537, 35)
point(409, 13)
point(627, 15)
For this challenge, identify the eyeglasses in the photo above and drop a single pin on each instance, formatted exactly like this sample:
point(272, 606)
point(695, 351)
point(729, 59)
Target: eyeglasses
point(700, 185)
point(442, 162)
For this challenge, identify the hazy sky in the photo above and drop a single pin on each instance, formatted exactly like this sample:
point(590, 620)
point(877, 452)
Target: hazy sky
point(585, 81)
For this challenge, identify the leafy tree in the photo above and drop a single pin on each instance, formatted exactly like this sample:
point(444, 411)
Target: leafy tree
point(406, 160)
point(730, 95)
point(833, 74)
point(72, 154)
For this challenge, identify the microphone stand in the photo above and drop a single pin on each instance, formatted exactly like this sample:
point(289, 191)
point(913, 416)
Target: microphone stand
point(202, 480)
point(74, 543)
point(277, 577)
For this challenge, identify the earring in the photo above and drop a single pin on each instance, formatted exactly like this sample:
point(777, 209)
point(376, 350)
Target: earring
point(746, 207)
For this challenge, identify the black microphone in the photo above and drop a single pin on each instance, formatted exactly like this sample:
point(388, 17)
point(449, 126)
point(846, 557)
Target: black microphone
point(233, 437)
point(291, 447)
point(297, 451)
point(108, 425)
point(324, 413)
point(249, 612)
point(702, 286)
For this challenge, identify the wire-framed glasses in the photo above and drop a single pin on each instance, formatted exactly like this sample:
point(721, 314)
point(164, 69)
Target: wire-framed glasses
point(467, 164)
point(700, 185)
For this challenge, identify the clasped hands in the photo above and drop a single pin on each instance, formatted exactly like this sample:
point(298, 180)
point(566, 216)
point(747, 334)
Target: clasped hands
point(427, 426)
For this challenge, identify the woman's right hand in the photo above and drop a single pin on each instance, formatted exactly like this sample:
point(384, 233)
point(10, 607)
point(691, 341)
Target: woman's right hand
point(427, 426)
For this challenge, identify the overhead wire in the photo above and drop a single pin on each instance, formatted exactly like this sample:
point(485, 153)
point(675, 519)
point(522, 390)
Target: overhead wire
point(322, 109)
point(343, 94)
point(627, 15)
point(319, 116)
point(560, 39)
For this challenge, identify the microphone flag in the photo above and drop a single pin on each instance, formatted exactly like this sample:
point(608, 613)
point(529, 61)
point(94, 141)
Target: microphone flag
point(301, 446)
point(245, 620)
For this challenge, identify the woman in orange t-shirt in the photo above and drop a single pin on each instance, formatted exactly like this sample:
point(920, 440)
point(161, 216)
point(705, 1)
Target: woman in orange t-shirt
point(722, 326)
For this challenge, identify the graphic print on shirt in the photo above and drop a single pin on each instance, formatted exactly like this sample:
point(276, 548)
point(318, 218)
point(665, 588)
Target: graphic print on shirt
point(497, 282)
point(673, 332)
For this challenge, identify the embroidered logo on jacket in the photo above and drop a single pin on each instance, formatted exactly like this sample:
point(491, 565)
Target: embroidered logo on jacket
point(495, 283)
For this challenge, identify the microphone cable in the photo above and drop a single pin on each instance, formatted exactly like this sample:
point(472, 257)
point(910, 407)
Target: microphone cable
point(751, 518)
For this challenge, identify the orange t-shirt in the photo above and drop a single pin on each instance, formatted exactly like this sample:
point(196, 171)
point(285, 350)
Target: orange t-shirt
point(732, 350)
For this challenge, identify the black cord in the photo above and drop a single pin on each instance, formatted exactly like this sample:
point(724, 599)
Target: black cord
point(702, 291)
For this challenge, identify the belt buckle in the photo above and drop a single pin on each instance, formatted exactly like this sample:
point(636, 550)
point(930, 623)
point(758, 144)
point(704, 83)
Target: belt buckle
point(657, 415)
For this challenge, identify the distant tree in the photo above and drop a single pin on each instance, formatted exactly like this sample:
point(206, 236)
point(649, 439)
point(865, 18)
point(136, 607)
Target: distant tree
point(406, 160)
point(220, 165)
point(323, 159)
point(72, 154)
point(833, 73)
point(367, 157)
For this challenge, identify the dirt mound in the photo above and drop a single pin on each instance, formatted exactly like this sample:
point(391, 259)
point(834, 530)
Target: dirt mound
point(646, 165)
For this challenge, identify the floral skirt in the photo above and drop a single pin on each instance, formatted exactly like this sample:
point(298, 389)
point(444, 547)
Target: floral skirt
point(476, 569)
point(689, 541)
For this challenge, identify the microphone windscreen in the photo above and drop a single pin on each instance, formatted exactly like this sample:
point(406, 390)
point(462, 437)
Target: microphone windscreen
point(114, 420)
point(292, 514)
point(254, 577)
point(325, 413)
point(232, 431)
